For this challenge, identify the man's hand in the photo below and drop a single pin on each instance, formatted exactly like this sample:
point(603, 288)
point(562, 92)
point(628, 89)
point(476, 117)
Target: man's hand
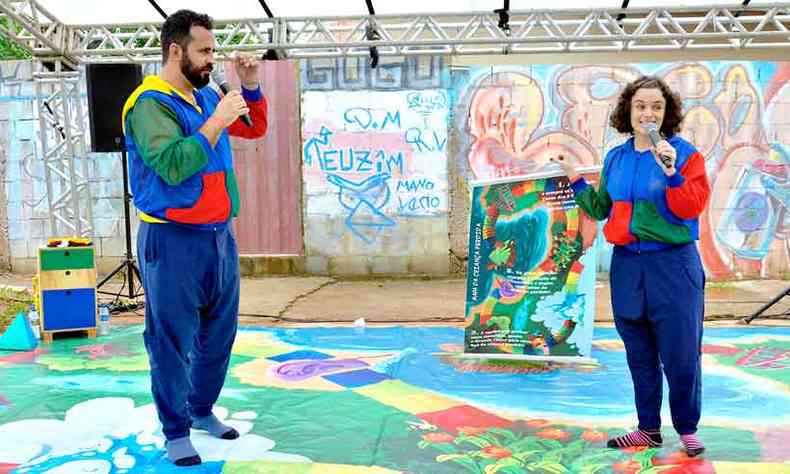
point(247, 70)
point(230, 108)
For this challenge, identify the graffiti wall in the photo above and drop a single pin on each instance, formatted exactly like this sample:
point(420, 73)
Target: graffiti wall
point(375, 174)
point(512, 119)
point(387, 154)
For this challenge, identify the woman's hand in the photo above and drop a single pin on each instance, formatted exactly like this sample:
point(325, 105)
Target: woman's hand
point(666, 156)
point(568, 166)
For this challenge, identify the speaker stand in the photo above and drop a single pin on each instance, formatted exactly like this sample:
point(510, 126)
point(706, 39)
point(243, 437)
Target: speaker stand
point(128, 264)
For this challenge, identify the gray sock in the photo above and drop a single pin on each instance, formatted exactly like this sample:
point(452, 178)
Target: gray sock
point(181, 452)
point(214, 427)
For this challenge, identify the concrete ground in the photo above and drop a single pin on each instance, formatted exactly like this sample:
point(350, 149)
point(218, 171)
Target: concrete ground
point(302, 300)
point(326, 300)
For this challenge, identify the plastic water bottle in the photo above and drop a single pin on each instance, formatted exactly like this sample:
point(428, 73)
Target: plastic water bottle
point(32, 315)
point(104, 320)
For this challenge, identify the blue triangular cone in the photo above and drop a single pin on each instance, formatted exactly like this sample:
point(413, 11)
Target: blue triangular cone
point(19, 335)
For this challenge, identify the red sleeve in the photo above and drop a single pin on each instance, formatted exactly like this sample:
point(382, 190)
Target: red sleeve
point(259, 113)
point(688, 193)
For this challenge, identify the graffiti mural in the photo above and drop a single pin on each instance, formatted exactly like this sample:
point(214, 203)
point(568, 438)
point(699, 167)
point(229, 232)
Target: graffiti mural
point(374, 162)
point(515, 118)
point(355, 73)
point(300, 397)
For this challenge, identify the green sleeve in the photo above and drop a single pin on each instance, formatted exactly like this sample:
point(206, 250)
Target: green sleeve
point(596, 203)
point(162, 144)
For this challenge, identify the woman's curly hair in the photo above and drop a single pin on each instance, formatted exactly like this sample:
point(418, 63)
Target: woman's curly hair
point(673, 116)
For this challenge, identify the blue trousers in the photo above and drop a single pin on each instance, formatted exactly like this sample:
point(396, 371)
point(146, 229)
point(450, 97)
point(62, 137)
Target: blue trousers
point(191, 282)
point(658, 305)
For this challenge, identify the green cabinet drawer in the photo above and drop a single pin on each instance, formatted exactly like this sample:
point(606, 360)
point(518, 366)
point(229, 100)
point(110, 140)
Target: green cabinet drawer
point(65, 258)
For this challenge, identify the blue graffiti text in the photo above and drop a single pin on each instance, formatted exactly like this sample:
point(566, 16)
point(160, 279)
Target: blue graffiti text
point(372, 119)
point(425, 142)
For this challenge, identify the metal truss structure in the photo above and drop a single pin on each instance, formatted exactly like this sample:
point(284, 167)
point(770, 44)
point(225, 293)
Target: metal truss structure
point(62, 136)
point(725, 29)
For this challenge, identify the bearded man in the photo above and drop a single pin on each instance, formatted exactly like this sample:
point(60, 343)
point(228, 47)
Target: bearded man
point(181, 175)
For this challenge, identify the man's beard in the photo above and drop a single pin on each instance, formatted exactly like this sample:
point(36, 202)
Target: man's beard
point(193, 74)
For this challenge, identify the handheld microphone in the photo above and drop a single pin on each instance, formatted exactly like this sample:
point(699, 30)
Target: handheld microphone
point(220, 80)
point(652, 131)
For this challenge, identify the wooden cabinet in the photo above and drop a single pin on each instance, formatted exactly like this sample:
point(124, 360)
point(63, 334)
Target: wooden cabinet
point(67, 286)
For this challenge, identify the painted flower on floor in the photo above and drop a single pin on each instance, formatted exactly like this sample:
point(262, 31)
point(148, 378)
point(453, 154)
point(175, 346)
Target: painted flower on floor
point(593, 436)
point(553, 433)
point(115, 357)
point(535, 447)
point(111, 434)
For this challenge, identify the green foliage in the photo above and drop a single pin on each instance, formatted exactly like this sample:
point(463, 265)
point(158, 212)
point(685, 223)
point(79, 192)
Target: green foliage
point(10, 50)
point(548, 449)
point(11, 303)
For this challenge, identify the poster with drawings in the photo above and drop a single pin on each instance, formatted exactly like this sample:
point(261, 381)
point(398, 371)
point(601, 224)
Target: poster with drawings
point(531, 270)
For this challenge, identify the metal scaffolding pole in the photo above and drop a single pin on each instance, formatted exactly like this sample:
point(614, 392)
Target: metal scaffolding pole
point(62, 133)
point(529, 31)
point(723, 28)
point(34, 28)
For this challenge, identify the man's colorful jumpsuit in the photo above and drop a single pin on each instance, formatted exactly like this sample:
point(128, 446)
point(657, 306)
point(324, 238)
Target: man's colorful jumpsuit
point(186, 192)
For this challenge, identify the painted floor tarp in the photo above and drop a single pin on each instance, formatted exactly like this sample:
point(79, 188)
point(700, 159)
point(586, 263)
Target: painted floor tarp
point(386, 400)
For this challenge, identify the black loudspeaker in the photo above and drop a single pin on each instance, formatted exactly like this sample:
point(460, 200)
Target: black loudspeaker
point(108, 87)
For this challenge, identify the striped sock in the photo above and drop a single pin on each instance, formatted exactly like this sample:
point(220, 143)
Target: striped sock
point(692, 444)
point(651, 438)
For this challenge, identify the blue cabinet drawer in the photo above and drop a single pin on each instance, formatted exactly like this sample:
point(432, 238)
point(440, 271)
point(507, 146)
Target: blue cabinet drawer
point(68, 309)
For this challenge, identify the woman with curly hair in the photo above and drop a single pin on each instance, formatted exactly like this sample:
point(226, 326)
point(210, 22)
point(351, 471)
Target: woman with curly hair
point(651, 195)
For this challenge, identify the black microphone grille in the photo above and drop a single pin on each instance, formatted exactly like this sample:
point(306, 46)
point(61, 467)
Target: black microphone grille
point(651, 127)
point(217, 77)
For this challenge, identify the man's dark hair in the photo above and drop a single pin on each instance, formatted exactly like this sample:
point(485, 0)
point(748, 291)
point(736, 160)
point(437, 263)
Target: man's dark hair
point(176, 29)
point(673, 115)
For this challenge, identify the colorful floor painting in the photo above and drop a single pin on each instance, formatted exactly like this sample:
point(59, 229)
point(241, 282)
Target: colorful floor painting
point(388, 400)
